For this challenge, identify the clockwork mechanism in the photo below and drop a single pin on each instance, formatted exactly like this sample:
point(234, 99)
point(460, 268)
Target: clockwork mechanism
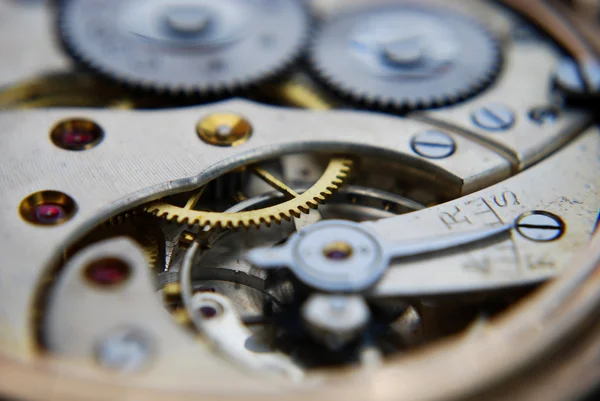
point(401, 201)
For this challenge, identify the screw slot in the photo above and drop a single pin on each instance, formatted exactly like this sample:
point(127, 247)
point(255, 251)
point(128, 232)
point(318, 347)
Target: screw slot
point(47, 208)
point(107, 272)
point(494, 117)
point(540, 226)
point(76, 134)
point(433, 145)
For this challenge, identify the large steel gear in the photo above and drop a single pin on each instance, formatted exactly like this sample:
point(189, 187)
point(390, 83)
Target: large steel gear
point(189, 46)
point(405, 56)
point(333, 176)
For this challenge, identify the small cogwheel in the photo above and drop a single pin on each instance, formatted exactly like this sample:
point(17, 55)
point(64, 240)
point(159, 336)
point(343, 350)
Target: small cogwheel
point(405, 56)
point(142, 230)
point(185, 46)
point(333, 177)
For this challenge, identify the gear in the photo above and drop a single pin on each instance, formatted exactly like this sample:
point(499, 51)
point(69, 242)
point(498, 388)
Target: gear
point(137, 227)
point(185, 46)
point(405, 56)
point(334, 175)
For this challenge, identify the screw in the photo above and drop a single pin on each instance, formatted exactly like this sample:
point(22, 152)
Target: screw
point(494, 117)
point(544, 115)
point(125, 350)
point(76, 134)
point(540, 226)
point(433, 144)
point(578, 79)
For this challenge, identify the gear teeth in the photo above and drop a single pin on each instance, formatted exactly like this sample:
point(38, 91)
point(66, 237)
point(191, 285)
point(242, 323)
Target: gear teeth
point(74, 42)
point(122, 218)
point(357, 87)
point(334, 176)
point(125, 225)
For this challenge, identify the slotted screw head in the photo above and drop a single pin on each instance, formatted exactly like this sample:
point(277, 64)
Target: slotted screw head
point(433, 144)
point(540, 226)
point(494, 117)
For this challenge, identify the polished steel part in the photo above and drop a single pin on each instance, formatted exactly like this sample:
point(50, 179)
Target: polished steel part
point(578, 286)
point(523, 140)
point(360, 257)
point(215, 316)
point(134, 305)
point(219, 261)
point(335, 320)
point(404, 56)
point(510, 130)
point(129, 169)
point(83, 314)
point(516, 259)
point(354, 267)
point(192, 46)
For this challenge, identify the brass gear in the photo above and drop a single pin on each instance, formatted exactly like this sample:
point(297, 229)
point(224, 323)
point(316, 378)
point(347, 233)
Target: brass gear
point(333, 177)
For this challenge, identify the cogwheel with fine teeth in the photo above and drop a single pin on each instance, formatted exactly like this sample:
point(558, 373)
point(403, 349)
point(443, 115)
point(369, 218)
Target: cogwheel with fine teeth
point(137, 227)
point(405, 56)
point(194, 47)
point(333, 177)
